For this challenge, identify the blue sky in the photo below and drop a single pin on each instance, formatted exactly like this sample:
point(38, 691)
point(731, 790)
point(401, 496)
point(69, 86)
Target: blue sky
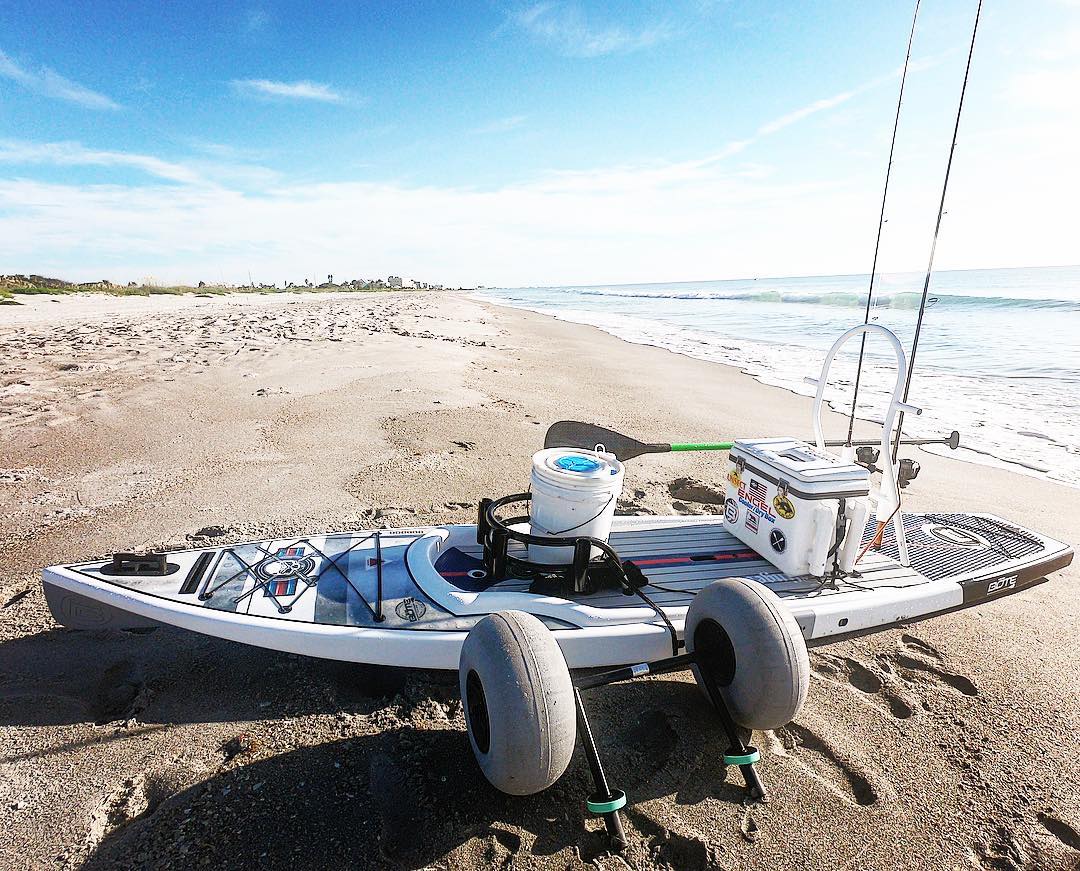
point(527, 143)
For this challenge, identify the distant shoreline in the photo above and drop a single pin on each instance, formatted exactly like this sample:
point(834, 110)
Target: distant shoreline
point(33, 285)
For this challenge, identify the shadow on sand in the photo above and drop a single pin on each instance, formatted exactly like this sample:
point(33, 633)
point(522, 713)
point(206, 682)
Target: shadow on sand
point(62, 677)
point(407, 795)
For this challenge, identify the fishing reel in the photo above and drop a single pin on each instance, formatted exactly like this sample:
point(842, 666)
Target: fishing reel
point(909, 471)
point(868, 455)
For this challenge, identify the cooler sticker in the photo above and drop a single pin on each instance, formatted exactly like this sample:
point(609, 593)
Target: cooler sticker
point(784, 507)
point(778, 540)
point(755, 498)
point(751, 521)
point(731, 511)
point(733, 476)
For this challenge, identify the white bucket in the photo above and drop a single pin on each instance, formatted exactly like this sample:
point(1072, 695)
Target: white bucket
point(574, 493)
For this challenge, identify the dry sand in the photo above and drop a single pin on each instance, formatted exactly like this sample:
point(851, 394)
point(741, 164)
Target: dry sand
point(130, 423)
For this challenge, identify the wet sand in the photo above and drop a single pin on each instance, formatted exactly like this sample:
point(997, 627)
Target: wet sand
point(134, 423)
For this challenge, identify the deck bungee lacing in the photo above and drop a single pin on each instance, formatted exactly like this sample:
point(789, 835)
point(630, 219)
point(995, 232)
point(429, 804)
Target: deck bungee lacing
point(328, 563)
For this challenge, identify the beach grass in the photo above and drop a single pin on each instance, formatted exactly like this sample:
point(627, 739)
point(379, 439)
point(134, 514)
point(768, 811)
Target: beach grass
point(11, 286)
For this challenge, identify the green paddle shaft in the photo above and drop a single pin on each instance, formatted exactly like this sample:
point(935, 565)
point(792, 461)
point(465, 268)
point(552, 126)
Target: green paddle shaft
point(704, 446)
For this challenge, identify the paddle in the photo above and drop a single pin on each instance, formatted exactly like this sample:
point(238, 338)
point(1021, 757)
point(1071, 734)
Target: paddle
point(576, 434)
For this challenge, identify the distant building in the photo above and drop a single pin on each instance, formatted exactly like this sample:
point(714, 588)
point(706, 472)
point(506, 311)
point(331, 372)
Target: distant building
point(393, 281)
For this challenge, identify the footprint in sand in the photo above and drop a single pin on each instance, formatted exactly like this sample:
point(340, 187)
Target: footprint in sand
point(917, 662)
point(844, 773)
point(920, 646)
point(867, 684)
point(1061, 830)
point(137, 797)
point(1002, 852)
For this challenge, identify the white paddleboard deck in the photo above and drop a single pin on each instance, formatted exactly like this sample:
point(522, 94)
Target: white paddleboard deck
point(407, 597)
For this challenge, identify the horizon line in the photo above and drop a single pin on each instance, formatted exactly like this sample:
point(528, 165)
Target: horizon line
point(776, 277)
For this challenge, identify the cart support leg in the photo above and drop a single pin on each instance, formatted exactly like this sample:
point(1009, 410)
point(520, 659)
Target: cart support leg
point(604, 801)
point(738, 753)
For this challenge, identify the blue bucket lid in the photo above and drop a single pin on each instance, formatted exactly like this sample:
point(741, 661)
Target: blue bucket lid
point(577, 463)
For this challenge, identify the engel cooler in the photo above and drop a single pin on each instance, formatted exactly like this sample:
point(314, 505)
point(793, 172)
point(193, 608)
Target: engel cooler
point(574, 493)
point(783, 499)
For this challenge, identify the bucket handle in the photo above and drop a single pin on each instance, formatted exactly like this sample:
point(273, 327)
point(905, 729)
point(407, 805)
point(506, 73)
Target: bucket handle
point(583, 522)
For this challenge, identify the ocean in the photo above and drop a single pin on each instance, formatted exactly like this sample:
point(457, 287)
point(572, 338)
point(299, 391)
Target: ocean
point(998, 359)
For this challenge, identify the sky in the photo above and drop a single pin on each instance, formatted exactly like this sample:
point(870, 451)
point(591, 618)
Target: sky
point(535, 143)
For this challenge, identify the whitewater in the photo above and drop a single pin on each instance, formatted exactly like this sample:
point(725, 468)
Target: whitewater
point(998, 360)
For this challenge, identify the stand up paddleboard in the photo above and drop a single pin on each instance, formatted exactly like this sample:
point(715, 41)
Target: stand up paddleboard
point(408, 597)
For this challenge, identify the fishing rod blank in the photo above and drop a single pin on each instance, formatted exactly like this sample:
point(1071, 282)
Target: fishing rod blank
point(881, 222)
point(937, 230)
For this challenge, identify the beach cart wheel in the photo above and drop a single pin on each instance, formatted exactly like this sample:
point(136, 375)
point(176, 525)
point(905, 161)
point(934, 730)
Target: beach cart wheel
point(519, 702)
point(749, 649)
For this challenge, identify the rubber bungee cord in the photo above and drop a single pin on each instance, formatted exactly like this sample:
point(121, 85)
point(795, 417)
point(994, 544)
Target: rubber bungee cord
point(937, 229)
point(881, 221)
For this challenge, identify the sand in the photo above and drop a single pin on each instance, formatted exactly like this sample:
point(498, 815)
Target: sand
point(134, 423)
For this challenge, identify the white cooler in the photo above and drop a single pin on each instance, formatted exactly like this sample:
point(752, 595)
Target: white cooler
point(784, 498)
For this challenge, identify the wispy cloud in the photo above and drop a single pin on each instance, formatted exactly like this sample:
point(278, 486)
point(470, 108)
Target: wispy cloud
point(74, 154)
point(781, 122)
point(612, 226)
point(805, 112)
point(701, 214)
point(219, 165)
point(49, 83)
point(566, 28)
point(661, 221)
point(269, 89)
point(500, 125)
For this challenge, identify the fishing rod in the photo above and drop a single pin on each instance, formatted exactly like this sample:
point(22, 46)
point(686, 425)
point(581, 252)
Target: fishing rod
point(881, 224)
point(937, 230)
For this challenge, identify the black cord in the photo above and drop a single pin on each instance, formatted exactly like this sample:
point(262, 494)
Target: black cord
point(660, 613)
point(583, 522)
point(673, 589)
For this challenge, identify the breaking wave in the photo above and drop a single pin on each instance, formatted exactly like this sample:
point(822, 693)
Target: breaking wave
point(838, 299)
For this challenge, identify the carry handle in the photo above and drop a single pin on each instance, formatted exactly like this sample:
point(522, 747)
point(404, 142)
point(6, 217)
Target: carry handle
point(889, 501)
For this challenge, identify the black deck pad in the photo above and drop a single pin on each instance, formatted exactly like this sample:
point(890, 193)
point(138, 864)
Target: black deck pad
point(466, 571)
point(948, 545)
